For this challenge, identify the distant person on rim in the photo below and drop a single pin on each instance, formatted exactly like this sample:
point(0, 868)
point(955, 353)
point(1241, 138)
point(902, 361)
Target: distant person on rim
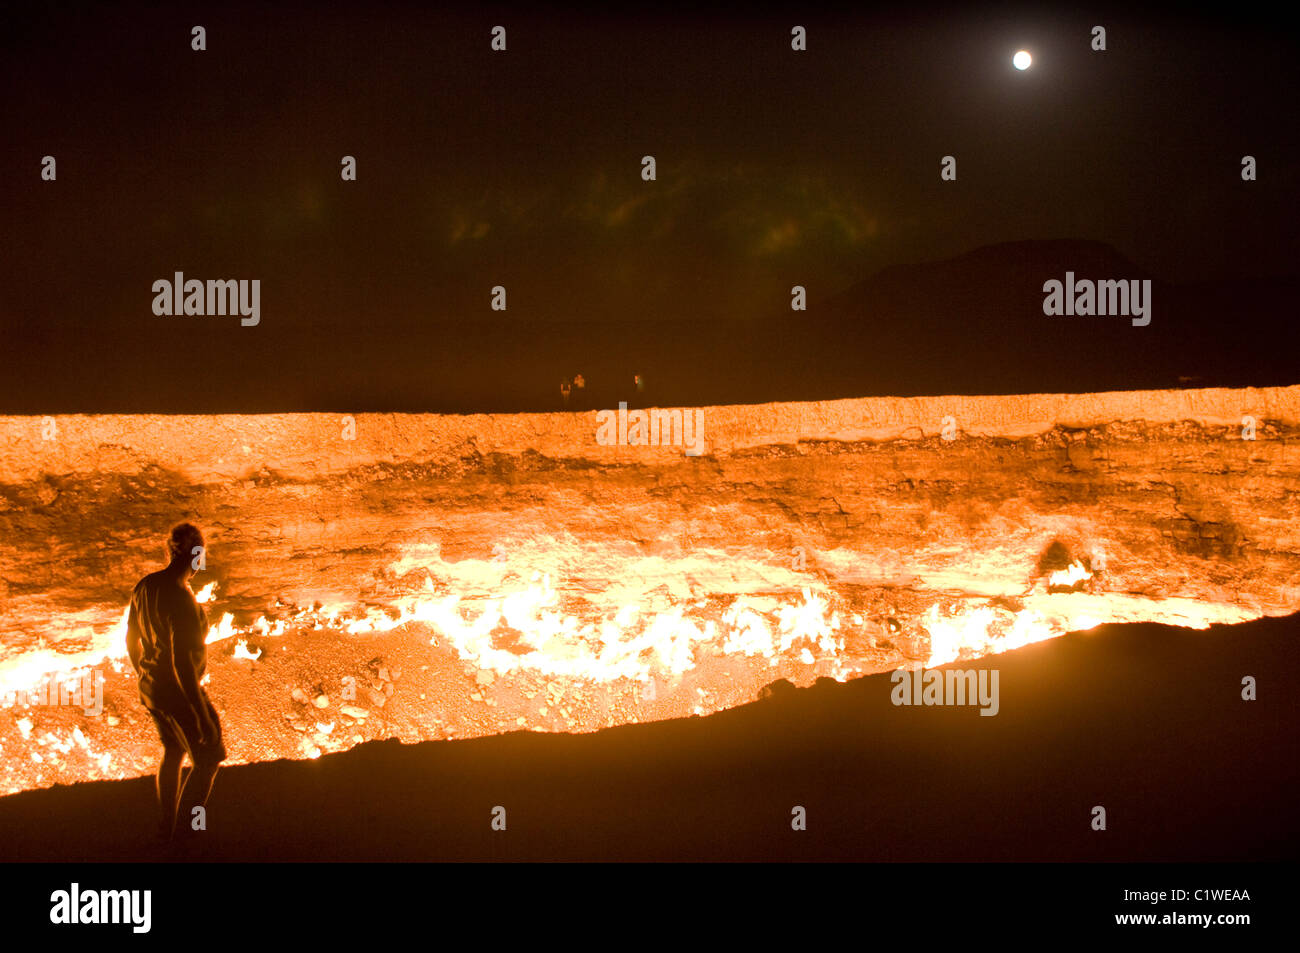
point(166, 631)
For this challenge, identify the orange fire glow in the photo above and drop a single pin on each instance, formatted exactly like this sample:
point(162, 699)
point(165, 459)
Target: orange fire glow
point(510, 625)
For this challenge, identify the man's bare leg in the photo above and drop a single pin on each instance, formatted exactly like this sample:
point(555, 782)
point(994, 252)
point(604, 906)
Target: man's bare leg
point(169, 790)
point(194, 793)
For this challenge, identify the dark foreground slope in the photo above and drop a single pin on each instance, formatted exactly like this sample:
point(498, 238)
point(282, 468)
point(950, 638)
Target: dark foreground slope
point(1145, 720)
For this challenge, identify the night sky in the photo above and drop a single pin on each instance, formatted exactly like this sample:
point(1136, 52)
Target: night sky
point(523, 169)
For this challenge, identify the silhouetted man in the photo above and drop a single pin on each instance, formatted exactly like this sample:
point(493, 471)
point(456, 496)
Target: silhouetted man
point(165, 636)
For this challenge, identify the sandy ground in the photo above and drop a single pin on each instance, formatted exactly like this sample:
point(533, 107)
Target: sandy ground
point(1146, 721)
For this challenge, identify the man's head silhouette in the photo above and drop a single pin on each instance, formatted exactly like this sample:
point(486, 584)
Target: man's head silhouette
point(184, 538)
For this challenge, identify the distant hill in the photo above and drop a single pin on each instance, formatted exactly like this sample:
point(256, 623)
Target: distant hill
point(975, 324)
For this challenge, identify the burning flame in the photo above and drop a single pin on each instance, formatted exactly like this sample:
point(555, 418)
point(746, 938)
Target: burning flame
point(530, 629)
point(975, 634)
point(242, 651)
point(628, 643)
point(21, 672)
point(222, 630)
point(647, 624)
point(1069, 577)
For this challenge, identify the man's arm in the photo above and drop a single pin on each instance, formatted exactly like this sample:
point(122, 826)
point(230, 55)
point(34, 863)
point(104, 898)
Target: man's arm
point(187, 653)
point(134, 637)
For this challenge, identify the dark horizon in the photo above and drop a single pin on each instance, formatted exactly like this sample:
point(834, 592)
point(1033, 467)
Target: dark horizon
point(1201, 334)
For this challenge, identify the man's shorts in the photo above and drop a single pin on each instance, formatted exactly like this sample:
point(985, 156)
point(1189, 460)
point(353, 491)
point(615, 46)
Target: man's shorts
point(178, 727)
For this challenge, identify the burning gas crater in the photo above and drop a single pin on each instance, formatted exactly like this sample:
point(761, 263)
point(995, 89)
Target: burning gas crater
point(437, 664)
point(427, 577)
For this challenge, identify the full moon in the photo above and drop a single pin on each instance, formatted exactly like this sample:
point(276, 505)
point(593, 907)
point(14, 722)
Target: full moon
point(1021, 60)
